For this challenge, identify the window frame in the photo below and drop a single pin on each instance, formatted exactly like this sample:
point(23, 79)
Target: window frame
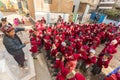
point(48, 1)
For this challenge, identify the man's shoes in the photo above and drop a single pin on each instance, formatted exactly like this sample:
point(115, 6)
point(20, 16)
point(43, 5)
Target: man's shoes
point(35, 58)
point(24, 67)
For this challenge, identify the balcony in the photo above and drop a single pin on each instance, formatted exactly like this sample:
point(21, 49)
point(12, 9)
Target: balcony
point(105, 7)
point(117, 6)
point(107, 2)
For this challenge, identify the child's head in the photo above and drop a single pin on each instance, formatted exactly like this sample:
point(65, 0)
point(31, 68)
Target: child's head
point(92, 52)
point(114, 42)
point(106, 56)
point(59, 55)
point(53, 46)
point(63, 44)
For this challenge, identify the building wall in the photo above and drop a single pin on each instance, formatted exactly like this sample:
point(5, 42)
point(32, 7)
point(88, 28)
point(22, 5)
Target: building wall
point(7, 6)
point(82, 7)
point(64, 6)
point(93, 4)
point(117, 5)
point(31, 8)
point(67, 6)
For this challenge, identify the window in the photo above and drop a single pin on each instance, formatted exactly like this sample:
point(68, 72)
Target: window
point(48, 1)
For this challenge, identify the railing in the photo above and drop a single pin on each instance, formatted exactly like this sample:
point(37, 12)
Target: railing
point(107, 2)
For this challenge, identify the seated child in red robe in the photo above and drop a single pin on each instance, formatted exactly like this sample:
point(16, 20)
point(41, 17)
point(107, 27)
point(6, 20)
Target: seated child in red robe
point(34, 46)
point(103, 62)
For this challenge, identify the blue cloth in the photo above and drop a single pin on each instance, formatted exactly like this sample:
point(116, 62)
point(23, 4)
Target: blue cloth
point(114, 71)
point(13, 45)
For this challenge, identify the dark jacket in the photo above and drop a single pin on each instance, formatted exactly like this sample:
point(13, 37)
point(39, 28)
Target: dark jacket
point(13, 45)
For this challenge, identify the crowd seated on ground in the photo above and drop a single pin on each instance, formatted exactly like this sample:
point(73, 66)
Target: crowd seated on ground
point(71, 46)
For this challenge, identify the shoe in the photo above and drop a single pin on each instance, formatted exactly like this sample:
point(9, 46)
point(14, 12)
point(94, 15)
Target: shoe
point(26, 68)
point(35, 58)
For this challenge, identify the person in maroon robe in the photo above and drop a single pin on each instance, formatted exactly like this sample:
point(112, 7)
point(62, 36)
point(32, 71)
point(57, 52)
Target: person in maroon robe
point(110, 48)
point(91, 60)
point(47, 45)
point(72, 61)
point(65, 74)
point(34, 46)
point(43, 20)
point(95, 42)
point(63, 48)
point(103, 62)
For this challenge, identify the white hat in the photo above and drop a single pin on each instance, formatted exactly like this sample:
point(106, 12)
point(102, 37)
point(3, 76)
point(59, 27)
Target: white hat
point(114, 41)
point(92, 51)
point(63, 44)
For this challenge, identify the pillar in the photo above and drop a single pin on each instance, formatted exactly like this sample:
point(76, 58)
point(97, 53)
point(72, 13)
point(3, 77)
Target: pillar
point(85, 13)
point(31, 8)
point(76, 4)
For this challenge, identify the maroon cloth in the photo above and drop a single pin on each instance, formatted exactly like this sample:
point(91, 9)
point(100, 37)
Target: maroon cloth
point(78, 76)
point(48, 46)
point(57, 44)
point(74, 57)
point(91, 60)
point(96, 42)
point(34, 47)
point(54, 52)
point(78, 45)
point(63, 49)
point(101, 63)
point(83, 54)
point(47, 37)
point(57, 63)
point(111, 49)
point(63, 72)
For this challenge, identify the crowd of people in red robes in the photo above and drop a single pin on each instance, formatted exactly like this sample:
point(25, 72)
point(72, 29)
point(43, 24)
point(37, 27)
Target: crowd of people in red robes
point(71, 46)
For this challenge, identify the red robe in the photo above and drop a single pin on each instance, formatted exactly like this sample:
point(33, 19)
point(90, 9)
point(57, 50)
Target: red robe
point(101, 63)
point(63, 50)
point(34, 47)
point(54, 52)
point(72, 61)
point(83, 54)
point(48, 46)
point(57, 63)
point(78, 76)
point(91, 60)
point(111, 49)
point(63, 72)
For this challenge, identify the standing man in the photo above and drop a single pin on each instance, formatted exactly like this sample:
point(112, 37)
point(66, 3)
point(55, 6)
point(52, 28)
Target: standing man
point(13, 44)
